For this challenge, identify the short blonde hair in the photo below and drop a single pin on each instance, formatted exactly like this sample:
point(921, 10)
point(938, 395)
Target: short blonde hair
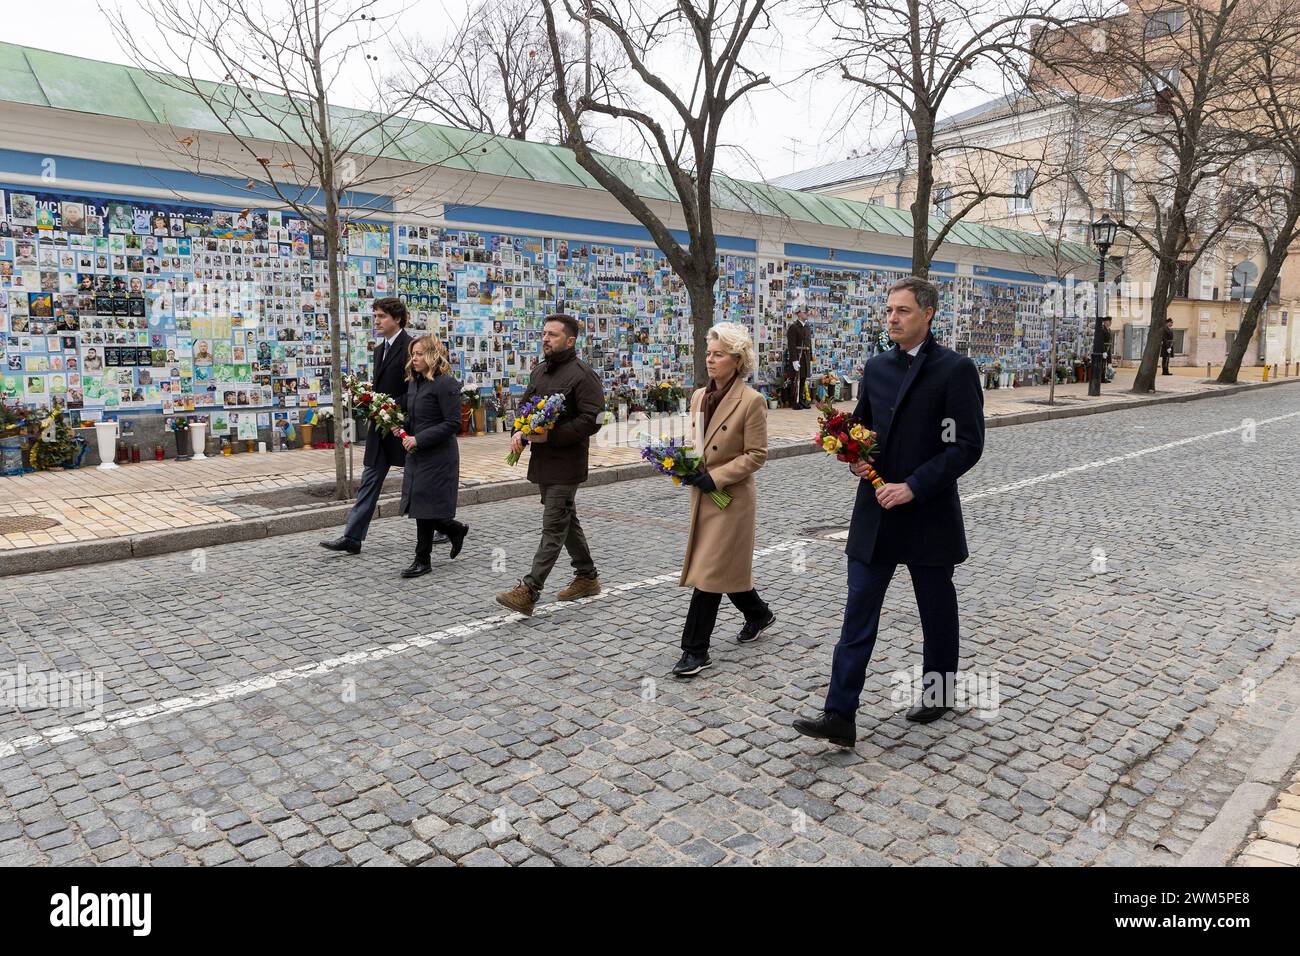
point(435, 355)
point(734, 339)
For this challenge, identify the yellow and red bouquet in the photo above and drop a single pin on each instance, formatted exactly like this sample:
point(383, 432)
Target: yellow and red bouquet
point(845, 437)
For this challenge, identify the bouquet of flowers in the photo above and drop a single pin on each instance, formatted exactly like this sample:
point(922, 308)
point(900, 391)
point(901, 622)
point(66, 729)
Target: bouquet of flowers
point(666, 395)
point(536, 415)
point(387, 415)
point(179, 424)
point(680, 462)
point(381, 409)
point(12, 417)
point(845, 437)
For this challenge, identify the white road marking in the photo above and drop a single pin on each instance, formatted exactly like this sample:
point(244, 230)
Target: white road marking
point(264, 682)
point(1100, 463)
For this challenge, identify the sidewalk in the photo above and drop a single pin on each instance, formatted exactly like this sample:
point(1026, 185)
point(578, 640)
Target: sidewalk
point(52, 510)
point(1276, 840)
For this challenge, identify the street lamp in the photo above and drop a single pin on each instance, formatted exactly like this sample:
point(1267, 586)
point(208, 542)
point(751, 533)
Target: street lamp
point(1103, 237)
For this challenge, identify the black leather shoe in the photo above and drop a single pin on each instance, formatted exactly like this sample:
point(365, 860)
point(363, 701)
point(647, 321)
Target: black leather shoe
point(829, 726)
point(691, 664)
point(417, 568)
point(749, 633)
point(439, 538)
point(342, 544)
point(457, 538)
point(921, 714)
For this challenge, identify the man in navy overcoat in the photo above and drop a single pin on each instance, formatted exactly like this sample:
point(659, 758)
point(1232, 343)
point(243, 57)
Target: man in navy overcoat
point(925, 404)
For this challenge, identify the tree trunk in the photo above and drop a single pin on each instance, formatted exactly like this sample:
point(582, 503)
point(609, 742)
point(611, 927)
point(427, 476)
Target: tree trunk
point(921, 204)
point(701, 293)
point(1160, 299)
point(1051, 374)
point(1249, 321)
point(342, 489)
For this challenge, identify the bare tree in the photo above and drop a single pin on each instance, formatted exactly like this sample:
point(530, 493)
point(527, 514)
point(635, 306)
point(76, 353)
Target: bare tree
point(1271, 181)
point(711, 37)
point(910, 61)
point(1064, 299)
point(494, 72)
point(1176, 83)
point(274, 103)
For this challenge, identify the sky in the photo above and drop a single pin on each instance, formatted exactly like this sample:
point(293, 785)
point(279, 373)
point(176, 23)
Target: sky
point(797, 123)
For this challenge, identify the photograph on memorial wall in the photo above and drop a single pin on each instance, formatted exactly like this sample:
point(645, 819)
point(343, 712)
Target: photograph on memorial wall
point(171, 308)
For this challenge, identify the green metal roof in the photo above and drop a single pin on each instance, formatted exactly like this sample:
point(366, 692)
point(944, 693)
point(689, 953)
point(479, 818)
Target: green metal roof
point(61, 81)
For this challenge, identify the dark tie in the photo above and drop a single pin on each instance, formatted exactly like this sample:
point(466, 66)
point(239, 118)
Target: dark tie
point(905, 357)
point(379, 354)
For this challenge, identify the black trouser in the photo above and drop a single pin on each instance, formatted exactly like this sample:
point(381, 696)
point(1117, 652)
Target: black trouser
point(804, 370)
point(936, 600)
point(1165, 364)
point(424, 528)
point(703, 614)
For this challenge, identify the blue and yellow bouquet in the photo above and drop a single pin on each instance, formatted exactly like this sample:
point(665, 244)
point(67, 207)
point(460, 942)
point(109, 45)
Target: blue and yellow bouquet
point(680, 462)
point(537, 415)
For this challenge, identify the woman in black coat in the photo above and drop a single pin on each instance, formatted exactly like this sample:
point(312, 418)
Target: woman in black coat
point(431, 478)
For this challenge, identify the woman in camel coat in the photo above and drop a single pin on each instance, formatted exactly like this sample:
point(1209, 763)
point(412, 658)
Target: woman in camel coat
point(729, 421)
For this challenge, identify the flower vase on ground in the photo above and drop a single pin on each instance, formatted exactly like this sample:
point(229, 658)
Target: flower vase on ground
point(466, 413)
point(306, 434)
point(198, 436)
point(106, 441)
point(480, 420)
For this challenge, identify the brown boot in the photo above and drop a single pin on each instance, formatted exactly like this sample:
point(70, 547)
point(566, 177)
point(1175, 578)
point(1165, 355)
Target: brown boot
point(580, 588)
point(519, 598)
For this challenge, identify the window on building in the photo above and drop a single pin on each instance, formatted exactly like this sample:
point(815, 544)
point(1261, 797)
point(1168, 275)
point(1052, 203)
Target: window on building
point(943, 199)
point(1117, 190)
point(1182, 280)
point(1207, 279)
point(1022, 185)
point(1162, 80)
point(1165, 23)
point(876, 201)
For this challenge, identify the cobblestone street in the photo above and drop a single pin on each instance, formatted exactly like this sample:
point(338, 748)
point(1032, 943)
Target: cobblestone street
point(1133, 588)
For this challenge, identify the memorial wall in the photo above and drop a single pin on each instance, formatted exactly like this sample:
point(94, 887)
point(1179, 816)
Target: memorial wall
point(113, 305)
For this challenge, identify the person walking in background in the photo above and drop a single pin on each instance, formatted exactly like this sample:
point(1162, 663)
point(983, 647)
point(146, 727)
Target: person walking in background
point(382, 453)
point(798, 343)
point(731, 436)
point(926, 406)
point(557, 464)
point(431, 476)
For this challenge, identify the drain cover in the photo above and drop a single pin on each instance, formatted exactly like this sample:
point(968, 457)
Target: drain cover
point(26, 523)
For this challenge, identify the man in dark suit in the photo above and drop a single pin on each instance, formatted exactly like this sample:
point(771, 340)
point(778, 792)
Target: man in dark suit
point(925, 404)
point(389, 377)
point(798, 345)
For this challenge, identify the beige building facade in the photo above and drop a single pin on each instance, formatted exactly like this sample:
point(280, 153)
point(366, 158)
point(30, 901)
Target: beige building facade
point(1050, 163)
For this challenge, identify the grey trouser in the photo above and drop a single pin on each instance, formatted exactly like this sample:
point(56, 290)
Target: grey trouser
point(560, 530)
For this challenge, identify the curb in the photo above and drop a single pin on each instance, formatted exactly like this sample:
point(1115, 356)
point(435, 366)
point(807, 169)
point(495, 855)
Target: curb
point(311, 518)
point(1219, 842)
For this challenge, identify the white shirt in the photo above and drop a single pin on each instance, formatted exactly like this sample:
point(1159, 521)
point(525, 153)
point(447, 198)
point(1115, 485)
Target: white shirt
point(916, 348)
